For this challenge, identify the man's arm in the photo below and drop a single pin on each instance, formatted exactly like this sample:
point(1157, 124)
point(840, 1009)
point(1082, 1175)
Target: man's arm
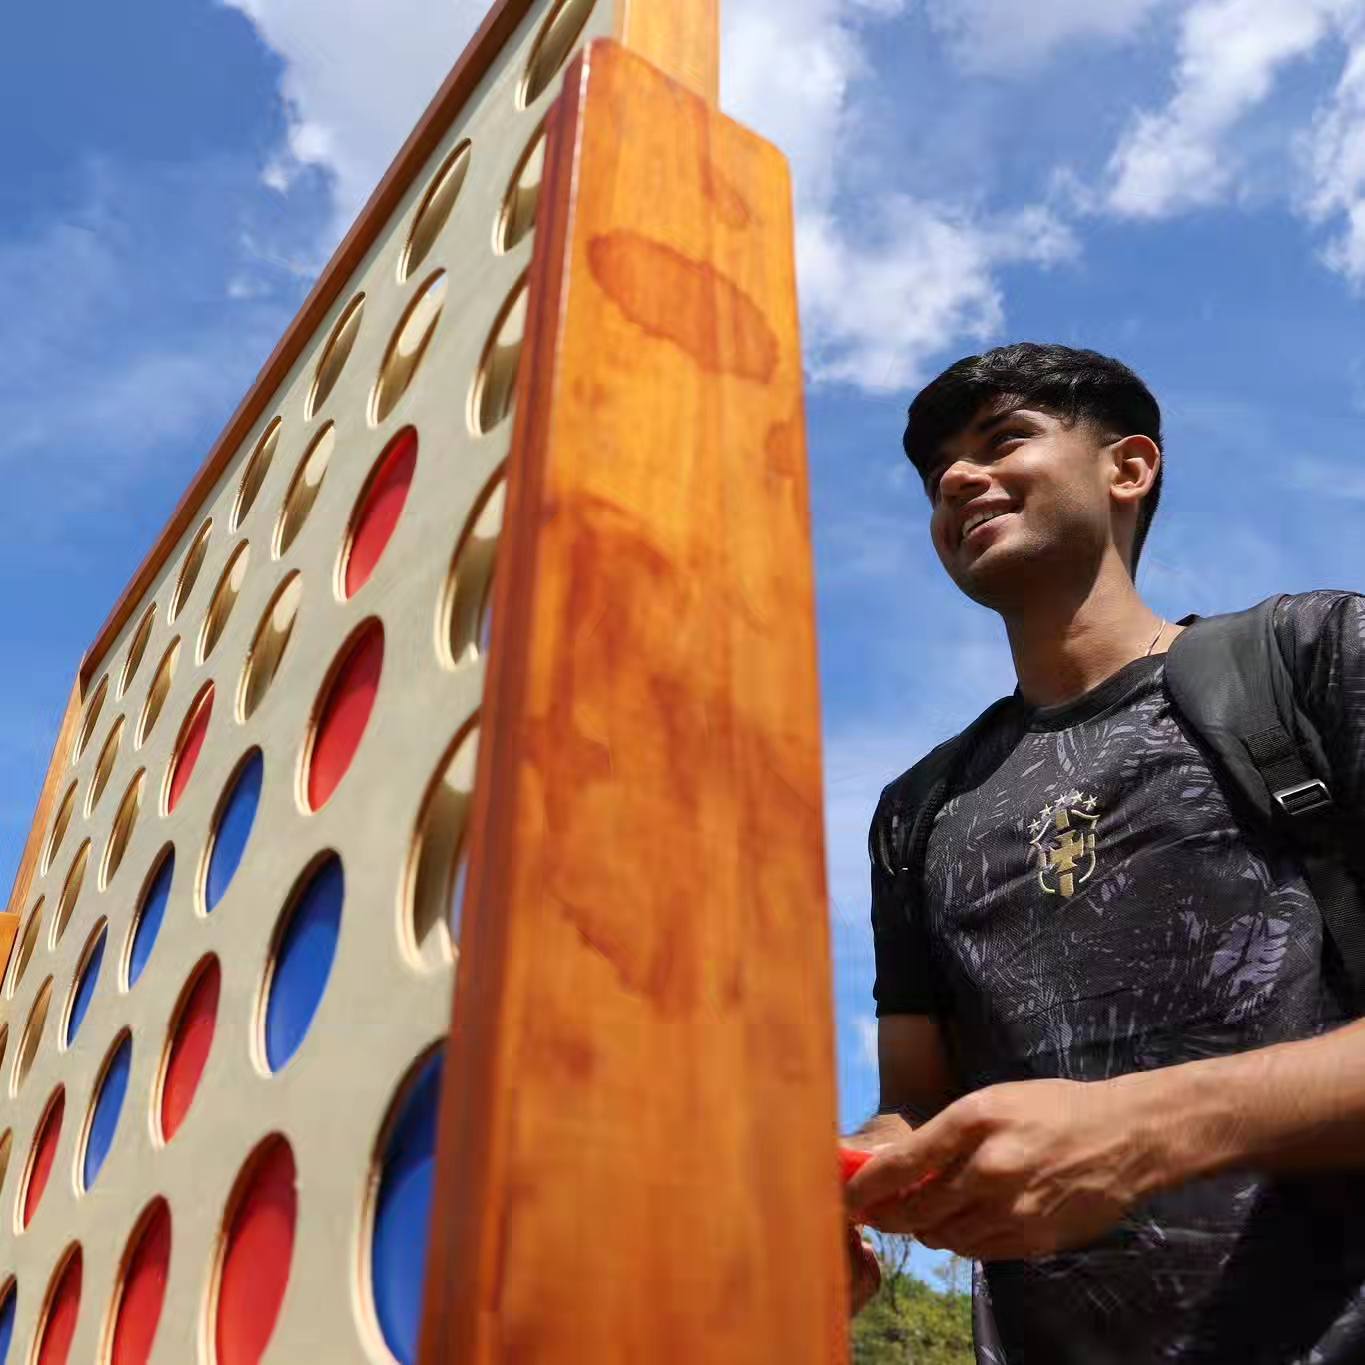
point(916, 1078)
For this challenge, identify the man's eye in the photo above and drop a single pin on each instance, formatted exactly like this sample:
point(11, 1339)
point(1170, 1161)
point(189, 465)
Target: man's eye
point(1001, 437)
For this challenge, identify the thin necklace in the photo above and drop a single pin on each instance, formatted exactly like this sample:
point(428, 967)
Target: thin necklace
point(1155, 638)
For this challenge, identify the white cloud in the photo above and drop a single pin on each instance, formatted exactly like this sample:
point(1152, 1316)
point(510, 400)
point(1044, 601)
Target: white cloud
point(1335, 154)
point(1004, 36)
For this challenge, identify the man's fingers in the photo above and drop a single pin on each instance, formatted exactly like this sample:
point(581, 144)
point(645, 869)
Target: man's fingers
point(895, 1170)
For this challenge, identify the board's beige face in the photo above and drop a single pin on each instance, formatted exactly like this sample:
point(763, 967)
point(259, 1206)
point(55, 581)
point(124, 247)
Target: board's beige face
point(250, 618)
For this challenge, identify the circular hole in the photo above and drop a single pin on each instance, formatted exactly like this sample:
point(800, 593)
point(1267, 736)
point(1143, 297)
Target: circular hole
point(92, 715)
point(495, 384)
point(128, 810)
point(296, 978)
point(142, 1287)
point(32, 1036)
point(156, 696)
point(343, 713)
point(24, 954)
point(191, 1039)
point(40, 1159)
point(335, 354)
point(410, 341)
point(137, 649)
point(4, 1043)
point(436, 881)
point(267, 648)
point(60, 1315)
point(468, 594)
point(71, 889)
point(257, 468)
point(304, 488)
point(232, 828)
point(104, 766)
point(553, 46)
point(257, 1251)
point(9, 1305)
point(59, 828)
point(110, 1090)
point(87, 978)
point(518, 215)
point(194, 561)
point(435, 209)
point(188, 747)
point(150, 912)
point(224, 599)
point(6, 1147)
point(377, 510)
point(399, 1217)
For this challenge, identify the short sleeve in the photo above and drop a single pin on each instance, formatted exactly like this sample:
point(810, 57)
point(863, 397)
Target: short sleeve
point(904, 982)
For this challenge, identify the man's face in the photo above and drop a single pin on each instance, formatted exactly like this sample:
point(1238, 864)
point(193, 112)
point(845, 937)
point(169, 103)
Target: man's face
point(1020, 504)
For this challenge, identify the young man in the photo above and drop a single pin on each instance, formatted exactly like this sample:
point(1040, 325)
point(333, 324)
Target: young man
point(1110, 1025)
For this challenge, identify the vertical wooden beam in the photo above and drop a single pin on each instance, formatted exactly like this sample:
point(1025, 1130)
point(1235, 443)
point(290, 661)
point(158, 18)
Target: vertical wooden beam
point(680, 37)
point(636, 1148)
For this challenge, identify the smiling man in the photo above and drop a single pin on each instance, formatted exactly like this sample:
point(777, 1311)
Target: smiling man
point(1119, 1063)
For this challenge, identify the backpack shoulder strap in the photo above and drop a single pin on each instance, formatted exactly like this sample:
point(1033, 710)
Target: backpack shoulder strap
point(1229, 681)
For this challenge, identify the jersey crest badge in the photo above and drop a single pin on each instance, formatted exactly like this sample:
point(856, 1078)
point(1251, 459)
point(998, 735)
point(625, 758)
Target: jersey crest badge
point(1063, 843)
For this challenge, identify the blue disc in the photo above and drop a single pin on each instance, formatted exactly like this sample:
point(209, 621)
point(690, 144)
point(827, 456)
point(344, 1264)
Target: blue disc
point(234, 829)
point(398, 1252)
point(85, 987)
point(303, 962)
point(108, 1106)
point(7, 1311)
point(150, 917)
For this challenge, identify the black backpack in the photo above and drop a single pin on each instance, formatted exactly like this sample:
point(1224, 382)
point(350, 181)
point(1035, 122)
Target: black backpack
point(1230, 685)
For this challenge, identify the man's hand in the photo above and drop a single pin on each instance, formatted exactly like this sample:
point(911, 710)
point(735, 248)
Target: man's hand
point(1023, 1169)
point(865, 1271)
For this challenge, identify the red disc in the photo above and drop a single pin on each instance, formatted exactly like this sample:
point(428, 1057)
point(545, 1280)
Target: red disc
point(190, 1049)
point(44, 1150)
point(259, 1247)
point(191, 741)
point(851, 1161)
point(380, 507)
point(344, 714)
point(144, 1289)
point(60, 1324)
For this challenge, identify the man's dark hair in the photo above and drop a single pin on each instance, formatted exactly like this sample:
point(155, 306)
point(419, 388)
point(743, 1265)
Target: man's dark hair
point(1076, 386)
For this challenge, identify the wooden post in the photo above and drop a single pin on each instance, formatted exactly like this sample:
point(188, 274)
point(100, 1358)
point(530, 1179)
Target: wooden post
point(636, 1154)
point(680, 37)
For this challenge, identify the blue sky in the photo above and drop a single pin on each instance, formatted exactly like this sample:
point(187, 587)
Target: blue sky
point(1177, 182)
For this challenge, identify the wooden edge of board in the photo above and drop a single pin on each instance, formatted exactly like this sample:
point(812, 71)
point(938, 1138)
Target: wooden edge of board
point(680, 35)
point(636, 1145)
point(47, 799)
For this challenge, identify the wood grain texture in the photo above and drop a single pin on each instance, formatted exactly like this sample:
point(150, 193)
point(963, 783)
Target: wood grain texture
point(680, 37)
point(636, 1153)
point(53, 783)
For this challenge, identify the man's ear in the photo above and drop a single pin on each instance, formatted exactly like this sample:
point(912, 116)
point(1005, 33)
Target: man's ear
point(1135, 462)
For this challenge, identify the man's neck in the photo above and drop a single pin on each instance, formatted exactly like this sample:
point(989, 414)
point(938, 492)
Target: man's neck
point(1066, 644)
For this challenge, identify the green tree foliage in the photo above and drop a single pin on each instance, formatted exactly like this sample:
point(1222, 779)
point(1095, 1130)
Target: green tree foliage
point(912, 1323)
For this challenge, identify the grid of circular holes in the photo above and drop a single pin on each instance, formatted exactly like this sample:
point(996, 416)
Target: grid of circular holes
point(553, 45)
point(156, 694)
point(409, 344)
point(467, 601)
point(31, 1037)
point(59, 828)
point(436, 879)
point(256, 470)
point(495, 383)
point(137, 649)
point(189, 571)
point(104, 765)
point(128, 810)
point(304, 488)
point(71, 890)
point(23, 954)
point(224, 599)
point(92, 715)
point(520, 204)
point(435, 209)
point(335, 354)
point(268, 647)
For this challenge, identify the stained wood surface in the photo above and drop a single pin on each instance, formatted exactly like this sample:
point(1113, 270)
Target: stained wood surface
point(636, 1152)
point(680, 37)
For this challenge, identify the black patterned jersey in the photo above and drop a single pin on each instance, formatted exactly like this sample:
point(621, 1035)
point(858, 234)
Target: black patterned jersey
point(1091, 907)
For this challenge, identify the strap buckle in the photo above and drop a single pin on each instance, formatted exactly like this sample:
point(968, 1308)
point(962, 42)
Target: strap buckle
point(1305, 798)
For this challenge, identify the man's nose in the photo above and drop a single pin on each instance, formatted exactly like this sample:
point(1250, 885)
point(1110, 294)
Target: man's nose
point(960, 477)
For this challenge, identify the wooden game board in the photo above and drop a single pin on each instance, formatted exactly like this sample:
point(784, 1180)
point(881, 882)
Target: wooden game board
point(484, 635)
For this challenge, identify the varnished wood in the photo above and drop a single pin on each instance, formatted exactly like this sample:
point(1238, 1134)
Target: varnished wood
point(636, 1148)
point(680, 37)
